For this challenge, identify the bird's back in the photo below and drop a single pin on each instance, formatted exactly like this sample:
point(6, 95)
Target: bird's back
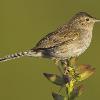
point(58, 37)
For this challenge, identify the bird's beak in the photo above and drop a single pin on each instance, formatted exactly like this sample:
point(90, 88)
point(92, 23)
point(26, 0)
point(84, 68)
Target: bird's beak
point(97, 20)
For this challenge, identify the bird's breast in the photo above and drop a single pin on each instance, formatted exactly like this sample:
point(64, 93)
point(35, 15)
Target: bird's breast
point(86, 40)
point(82, 43)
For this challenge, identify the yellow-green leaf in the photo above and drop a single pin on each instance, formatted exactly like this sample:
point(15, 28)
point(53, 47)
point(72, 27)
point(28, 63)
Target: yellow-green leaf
point(85, 71)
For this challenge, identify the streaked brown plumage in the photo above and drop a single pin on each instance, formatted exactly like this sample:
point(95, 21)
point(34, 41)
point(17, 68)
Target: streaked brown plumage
point(69, 40)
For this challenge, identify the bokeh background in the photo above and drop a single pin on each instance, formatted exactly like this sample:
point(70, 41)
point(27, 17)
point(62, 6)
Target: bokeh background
point(22, 24)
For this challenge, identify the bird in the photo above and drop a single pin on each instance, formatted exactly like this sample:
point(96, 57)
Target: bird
point(67, 41)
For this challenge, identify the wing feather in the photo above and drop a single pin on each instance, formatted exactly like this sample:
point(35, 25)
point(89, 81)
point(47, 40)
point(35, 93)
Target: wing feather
point(57, 38)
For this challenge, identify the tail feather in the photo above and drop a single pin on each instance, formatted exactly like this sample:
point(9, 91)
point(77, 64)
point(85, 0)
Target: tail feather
point(32, 52)
point(13, 56)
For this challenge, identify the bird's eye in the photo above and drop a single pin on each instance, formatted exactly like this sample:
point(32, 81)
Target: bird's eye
point(87, 19)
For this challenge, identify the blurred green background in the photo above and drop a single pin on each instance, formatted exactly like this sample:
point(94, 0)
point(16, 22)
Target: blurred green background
point(22, 24)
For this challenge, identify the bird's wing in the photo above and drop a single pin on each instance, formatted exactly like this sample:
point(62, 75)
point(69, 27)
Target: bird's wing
point(57, 38)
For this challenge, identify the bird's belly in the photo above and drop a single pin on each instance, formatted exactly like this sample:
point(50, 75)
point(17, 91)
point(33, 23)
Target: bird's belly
point(72, 50)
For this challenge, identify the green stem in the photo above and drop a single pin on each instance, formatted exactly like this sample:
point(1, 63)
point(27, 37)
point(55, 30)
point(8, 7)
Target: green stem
point(67, 71)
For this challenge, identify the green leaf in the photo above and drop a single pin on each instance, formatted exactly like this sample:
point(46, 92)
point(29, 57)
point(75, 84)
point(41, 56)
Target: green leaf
point(85, 71)
point(77, 91)
point(58, 97)
point(55, 79)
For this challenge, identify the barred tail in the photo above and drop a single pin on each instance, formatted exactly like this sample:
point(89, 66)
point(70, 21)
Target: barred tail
point(21, 54)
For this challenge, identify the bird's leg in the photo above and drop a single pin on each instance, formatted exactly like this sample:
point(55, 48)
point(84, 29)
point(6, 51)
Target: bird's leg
point(69, 64)
point(65, 64)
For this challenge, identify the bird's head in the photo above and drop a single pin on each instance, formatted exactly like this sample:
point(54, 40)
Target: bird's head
point(83, 20)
